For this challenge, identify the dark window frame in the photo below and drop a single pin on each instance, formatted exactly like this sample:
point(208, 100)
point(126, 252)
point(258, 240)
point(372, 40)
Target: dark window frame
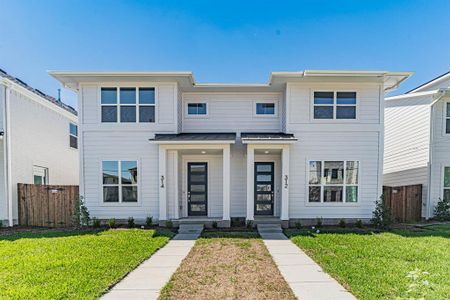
point(120, 185)
point(73, 137)
point(335, 106)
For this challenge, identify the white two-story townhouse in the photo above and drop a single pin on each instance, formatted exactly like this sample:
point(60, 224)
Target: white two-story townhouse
point(304, 145)
point(38, 142)
point(417, 141)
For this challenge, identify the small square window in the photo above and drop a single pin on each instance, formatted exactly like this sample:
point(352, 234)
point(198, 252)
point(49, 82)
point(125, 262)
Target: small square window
point(265, 108)
point(197, 109)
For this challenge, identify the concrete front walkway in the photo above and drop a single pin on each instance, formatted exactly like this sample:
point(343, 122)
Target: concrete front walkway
point(146, 281)
point(306, 278)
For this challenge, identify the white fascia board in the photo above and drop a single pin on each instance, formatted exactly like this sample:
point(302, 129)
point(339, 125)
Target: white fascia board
point(270, 142)
point(405, 96)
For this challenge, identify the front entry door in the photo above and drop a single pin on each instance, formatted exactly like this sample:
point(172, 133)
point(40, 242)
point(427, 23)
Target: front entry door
point(197, 189)
point(264, 188)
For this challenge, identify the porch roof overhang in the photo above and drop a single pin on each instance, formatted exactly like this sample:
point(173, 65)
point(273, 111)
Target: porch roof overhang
point(195, 138)
point(267, 138)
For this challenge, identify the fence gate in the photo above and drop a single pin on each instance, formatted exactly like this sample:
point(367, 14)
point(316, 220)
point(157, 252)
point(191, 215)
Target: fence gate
point(46, 205)
point(405, 202)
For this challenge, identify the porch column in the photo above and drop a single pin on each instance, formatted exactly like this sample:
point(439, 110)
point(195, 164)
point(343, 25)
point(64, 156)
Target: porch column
point(162, 184)
point(250, 181)
point(175, 180)
point(285, 183)
point(226, 183)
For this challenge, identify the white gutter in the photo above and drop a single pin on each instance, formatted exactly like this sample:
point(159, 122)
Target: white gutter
point(405, 96)
point(7, 151)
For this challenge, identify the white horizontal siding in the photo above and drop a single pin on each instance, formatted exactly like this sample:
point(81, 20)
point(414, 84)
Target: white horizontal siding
point(231, 112)
point(407, 134)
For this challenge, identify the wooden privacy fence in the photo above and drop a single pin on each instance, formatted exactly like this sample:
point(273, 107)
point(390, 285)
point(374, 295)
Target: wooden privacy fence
point(46, 205)
point(405, 202)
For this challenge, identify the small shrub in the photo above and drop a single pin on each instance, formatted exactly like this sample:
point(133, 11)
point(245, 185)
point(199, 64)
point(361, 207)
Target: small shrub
point(112, 223)
point(81, 213)
point(298, 225)
point(215, 225)
point(319, 222)
point(131, 222)
point(382, 217)
point(1, 223)
point(249, 224)
point(169, 224)
point(359, 224)
point(95, 222)
point(442, 210)
point(149, 221)
point(342, 223)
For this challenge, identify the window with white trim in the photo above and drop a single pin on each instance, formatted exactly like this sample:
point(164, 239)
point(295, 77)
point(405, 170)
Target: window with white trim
point(334, 105)
point(127, 104)
point(196, 109)
point(265, 108)
point(446, 193)
point(333, 181)
point(73, 136)
point(120, 181)
point(40, 175)
point(447, 119)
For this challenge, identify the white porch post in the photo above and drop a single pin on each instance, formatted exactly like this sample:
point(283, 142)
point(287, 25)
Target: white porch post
point(285, 183)
point(226, 183)
point(175, 181)
point(162, 184)
point(250, 181)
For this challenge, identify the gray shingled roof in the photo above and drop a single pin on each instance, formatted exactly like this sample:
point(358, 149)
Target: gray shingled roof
point(207, 136)
point(268, 136)
point(38, 92)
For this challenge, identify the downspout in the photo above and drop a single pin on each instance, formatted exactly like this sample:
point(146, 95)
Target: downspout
point(7, 152)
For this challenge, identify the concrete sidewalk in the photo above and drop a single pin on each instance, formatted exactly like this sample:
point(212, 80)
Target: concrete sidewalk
point(146, 281)
point(306, 278)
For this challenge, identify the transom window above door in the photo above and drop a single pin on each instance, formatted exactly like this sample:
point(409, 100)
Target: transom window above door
point(334, 105)
point(127, 105)
point(197, 109)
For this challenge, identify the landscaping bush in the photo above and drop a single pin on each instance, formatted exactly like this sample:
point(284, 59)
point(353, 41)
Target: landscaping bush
point(215, 225)
point(149, 221)
point(359, 224)
point(382, 217)
point(319, 222)
point(112, 223)
point(169, 224)
point(131, 222)
point(250, 224)
point(81, 213)
point(342, 223)
point(442, 210)
point(298, 225)
point(95, 222)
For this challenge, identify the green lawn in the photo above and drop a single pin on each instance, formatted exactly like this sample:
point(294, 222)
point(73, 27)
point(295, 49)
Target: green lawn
point(375, 266)
point(75, 265)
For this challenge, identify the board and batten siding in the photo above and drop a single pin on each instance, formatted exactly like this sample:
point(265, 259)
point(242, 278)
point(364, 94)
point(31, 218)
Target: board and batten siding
point(232, 112)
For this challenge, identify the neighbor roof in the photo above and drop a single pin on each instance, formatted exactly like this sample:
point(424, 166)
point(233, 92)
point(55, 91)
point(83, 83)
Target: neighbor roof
point(51, 99)
point(187, 82)
point(445, 76)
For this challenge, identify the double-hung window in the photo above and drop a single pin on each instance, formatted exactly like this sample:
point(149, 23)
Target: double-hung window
point(265, 108)
point(334, 105)
point(120, 181)
point(446, 193)
point(447, 118)
point(333, 181)
point(197, 109)
point(73, 136)
point(128, 105)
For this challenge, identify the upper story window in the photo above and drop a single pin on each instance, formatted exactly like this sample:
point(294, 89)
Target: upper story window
point(196, 109)
point(128, 105)
point(447, 119)
point(73, 136)
point(265, 109)
point(120, 181)
point(333, 181)
point(446, 193)
point(335, 105)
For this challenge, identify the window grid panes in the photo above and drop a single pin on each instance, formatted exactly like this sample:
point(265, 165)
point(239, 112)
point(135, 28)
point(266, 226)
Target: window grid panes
point(446, 192)
point(73, 135)
point(447, 119)
point(127, 105)
point(120, 181)
point(265, 108)
point(333, 181)
point(334, 105)
point(196, 109)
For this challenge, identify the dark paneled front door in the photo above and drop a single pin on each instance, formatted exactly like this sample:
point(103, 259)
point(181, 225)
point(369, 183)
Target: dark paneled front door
point(264, 188)
point(197, 189)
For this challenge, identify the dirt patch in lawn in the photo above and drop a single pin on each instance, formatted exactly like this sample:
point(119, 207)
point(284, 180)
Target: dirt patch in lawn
point(228, 266)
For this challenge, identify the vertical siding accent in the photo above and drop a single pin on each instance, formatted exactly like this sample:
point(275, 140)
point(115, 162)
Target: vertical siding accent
point(166, 104)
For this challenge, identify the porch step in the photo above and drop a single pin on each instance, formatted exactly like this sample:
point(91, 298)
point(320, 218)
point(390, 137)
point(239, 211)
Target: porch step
point(269, 228)
point(191, 228)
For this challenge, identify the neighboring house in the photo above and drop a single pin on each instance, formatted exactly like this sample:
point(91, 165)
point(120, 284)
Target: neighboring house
point(305, 145)
point(38, 142)
point(417, 141)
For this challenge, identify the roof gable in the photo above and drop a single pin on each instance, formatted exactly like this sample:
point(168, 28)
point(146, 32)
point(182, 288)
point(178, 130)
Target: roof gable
point(442, 81)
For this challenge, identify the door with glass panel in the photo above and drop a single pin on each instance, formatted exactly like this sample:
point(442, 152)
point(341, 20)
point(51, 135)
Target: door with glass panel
point(197, 188)
point(264, 188)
